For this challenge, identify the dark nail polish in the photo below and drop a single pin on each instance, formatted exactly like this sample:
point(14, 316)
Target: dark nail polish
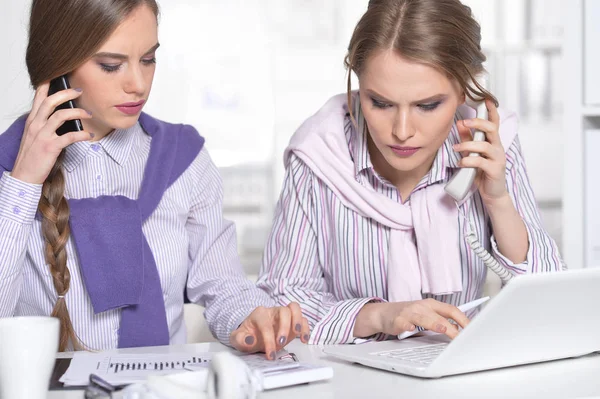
point(78, 90)
point(282, 340)
point(305, 337)
point(272, 355)
point(92, 135)
point(249, 340)
point(298, 327)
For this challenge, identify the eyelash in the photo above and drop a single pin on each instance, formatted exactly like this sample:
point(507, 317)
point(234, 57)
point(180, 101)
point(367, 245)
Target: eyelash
point(379, 104)
point(423, 107)
point(114, 68)
point(429, 107)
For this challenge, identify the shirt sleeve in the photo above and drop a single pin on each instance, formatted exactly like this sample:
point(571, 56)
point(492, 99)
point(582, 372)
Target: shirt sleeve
point(543, 254)
point(291, 269)
point(18, 206)
point(216, 279)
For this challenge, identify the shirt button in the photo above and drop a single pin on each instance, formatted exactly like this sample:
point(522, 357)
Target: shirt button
point(99, 177)
point(16, 210)
point(21, 193)
point(95, 147)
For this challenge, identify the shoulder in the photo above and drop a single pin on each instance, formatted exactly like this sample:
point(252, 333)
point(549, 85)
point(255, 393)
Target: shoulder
point(301, 180)
point(327, 125)
point(203, 176)
point(201, 181)
point(330, 117)
point(334, 108)
point(297, 166)
point(200, 171)
point(10, 142)
point(184, 132)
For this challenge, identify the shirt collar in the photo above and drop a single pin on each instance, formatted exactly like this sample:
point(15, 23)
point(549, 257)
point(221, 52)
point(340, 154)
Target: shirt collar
point(117, 145)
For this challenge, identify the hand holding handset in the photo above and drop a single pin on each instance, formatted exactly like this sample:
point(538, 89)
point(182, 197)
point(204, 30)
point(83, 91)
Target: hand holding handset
point(56, 85)
point(460, 184)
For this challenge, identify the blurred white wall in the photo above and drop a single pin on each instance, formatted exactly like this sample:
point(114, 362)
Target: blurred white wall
point(15, 94)
point(246, 73)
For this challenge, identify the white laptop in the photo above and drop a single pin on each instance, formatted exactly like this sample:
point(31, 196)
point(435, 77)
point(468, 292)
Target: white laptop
point(535, 318)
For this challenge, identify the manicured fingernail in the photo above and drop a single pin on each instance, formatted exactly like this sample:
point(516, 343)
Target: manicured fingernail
point(455, 146)
point(298, 327)
point(440, 328)
point(272, 355)
point(92, 135)
point(282, 340)
point(78, 90)
point(89, 113)
point(306, 337)
point(249, 340)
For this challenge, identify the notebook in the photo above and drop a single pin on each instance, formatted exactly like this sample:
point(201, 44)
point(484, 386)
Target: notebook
point(536, 318)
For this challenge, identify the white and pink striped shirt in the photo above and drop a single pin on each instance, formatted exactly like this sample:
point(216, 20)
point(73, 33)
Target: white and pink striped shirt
point(332, 260)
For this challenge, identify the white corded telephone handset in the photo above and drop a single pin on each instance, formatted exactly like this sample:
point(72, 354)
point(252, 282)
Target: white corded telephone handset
point(460, 184)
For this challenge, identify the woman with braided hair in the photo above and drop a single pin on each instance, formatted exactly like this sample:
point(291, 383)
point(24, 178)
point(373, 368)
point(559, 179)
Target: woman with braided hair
point(107, 227)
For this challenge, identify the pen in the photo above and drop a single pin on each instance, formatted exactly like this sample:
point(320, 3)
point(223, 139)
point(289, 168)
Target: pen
point(463, 308)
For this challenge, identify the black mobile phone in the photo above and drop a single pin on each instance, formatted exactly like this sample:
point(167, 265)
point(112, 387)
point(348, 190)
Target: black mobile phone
point(56, 85)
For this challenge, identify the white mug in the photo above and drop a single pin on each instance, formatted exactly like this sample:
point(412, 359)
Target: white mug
point(28, 347)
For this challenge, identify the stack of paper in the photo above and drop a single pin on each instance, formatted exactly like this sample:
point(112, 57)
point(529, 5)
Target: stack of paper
point(121, 369)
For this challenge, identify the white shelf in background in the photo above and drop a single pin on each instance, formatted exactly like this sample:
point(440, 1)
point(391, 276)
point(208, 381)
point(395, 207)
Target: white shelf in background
point(591, 110)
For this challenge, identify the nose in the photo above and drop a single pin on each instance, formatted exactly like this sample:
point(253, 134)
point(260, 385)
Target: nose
point(134, 81)
point(403, 128)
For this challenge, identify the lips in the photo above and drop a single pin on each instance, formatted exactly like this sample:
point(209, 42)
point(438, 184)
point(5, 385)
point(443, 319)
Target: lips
point(132, 108)
point(404, 152)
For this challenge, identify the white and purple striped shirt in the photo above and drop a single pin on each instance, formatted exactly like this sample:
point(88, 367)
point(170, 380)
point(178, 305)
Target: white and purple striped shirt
point(193, 245)
point(333, 261)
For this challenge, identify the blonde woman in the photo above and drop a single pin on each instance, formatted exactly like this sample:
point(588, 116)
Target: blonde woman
point(365, 237)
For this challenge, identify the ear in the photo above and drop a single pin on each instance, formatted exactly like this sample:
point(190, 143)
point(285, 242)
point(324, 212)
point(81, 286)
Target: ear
point(459, 90)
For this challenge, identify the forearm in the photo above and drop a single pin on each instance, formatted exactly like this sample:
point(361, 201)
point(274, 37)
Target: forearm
point(509, 229)
point(18, 204)
point(368, 322)
point(225, 313)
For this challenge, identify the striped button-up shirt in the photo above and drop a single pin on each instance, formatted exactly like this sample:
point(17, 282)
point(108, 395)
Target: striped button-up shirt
point(333, 261)
point(194, 247)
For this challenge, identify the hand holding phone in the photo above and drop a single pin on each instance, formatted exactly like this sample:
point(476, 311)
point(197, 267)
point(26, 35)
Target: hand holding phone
point(460, 185)
point(40, 144)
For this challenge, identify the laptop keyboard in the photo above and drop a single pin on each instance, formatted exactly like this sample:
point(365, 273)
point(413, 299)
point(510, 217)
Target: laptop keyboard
point(420, 354)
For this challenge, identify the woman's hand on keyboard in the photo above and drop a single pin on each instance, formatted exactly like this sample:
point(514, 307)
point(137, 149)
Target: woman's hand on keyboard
point(268, 330)
point(397, 317)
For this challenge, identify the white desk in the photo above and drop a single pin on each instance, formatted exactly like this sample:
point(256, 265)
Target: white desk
point(573, 378)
